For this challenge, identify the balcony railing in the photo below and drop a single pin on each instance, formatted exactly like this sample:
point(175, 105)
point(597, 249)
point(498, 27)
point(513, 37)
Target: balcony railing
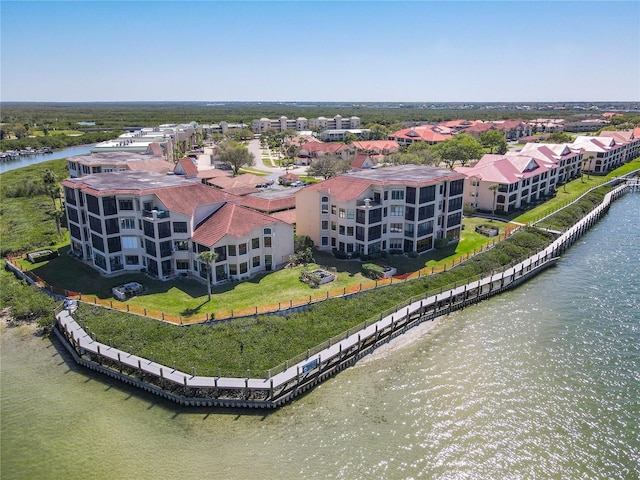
point(155, 214)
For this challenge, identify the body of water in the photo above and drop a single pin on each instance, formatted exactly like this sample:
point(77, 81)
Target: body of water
point(25, 161)
point(540, 382)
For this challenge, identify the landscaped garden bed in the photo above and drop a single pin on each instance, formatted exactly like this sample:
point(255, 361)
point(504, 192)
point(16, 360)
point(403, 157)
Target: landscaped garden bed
point(488, 230)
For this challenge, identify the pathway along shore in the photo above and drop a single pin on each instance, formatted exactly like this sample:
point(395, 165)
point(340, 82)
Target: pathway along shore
point(280, 388)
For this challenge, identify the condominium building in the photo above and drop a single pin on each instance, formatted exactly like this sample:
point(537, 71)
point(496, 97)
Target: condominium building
point(503, 183)
point(396, 208)
point(602, 153)
point(158, 224)
point(301, 123)
point(152, 160)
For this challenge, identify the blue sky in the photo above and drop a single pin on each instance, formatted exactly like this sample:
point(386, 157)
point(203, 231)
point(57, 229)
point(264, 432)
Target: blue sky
point(351, 51)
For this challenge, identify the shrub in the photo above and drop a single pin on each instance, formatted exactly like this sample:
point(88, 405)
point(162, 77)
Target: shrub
point(373, 271)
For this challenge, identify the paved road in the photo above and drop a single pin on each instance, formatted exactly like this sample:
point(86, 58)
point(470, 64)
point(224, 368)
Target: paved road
point(254, 147)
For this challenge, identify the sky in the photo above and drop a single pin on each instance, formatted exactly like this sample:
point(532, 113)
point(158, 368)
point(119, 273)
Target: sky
point(346, 51)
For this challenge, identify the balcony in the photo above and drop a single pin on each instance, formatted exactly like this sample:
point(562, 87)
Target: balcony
point(155, 214)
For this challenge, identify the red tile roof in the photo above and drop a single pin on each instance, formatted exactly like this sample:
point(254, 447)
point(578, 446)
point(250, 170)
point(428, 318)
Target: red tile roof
point(286, 216)
point(505, 169)
point(424, 133)
point(187, 166)
point(377, 145)
point(342, 188)
point(185, 199)
point(232, 220)
point(321, 147)
point(359, 160)
point(290, 176)
point(244, 180)
point(268, 205)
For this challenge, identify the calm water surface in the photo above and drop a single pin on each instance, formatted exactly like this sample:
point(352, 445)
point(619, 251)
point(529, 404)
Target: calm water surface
point(541, 382)
point(25, 161)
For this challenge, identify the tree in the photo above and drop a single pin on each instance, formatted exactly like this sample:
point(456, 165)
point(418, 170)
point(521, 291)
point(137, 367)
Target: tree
point(51, 185)
point(328, 166)
point(586, 161)
point(241, 134)
point(207, 258)
point(494, 189)
point(349, 138)
point(460, 148)
point(559, 137)
point(492, 139)
point(237, 156)
point(426, 154)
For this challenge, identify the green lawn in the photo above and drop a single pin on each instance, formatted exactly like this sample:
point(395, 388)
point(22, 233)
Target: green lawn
point(187, 296)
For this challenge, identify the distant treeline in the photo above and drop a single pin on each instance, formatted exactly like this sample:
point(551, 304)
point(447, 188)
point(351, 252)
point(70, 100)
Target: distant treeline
point(58, 141)
point(121, 115)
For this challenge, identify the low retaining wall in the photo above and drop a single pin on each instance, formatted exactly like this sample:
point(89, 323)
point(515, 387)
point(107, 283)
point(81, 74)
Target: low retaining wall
point(294, 379)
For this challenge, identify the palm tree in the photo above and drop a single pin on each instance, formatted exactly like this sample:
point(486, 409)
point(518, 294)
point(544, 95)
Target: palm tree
point(585, 162)
point(207, 258)
point(494, 189)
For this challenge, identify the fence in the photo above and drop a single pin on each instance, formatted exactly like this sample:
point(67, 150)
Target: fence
point(229, 314)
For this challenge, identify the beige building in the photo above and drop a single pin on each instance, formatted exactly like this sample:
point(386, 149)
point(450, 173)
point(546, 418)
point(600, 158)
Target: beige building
point(158, 224)
point(402, 208)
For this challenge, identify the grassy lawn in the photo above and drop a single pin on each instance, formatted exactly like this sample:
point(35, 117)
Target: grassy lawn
point(254, 171)
point(187, 296)
point(40, 133)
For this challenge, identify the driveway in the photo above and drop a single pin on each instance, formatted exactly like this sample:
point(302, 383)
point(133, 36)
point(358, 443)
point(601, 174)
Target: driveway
point(254, 147)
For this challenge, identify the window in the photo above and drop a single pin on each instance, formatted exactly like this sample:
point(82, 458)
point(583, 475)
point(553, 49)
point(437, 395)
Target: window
point(233, 269)
point(333, 226)
point(342, 213)
point(341, 229)
point(232, 250)
point(267, 242)
point(109, 205)
point(360, 216)
point(424, 244)
point(97, 242)
point(125, 204)
point(410, 213)
point(164, 229)
point(408, 230)
point(375, 215)
point(333, 209)
point(100, 261)
point(149, 231)
point(359, 233)
point(255, 262)
point(324, 225)
point(425, 228)
point(255, 243)
point(411, 195)
point(243, 267)
point(165, 248)
point(69, 196)
point(375, 232)
point(396, 211)
point(111, 226)
point(75, 231)
point(181, 245)
point(397, 194)
point(350, 231)
point(182, 264)
point(350, 213)
point(325, 208)
point(325, 199)
point(150, 247)
point(242, 249)
point(179, 227)
point(92, 204)
point(129, 242)
point(456, 187)
point(132, 260)
point(454, 219)
point(128, 223)
point(114, 244)
point(267, 231)
point(95, 224)
point(324, 241)
point(395, 228)
point(72, 214)
point(455, 204)
point(425, 212)
point(395, 243)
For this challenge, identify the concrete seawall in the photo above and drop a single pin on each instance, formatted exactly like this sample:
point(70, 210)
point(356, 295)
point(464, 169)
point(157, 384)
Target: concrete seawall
point(281, 387)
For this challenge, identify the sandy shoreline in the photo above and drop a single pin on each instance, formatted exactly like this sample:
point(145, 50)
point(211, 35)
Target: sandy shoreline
point(412, 335)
